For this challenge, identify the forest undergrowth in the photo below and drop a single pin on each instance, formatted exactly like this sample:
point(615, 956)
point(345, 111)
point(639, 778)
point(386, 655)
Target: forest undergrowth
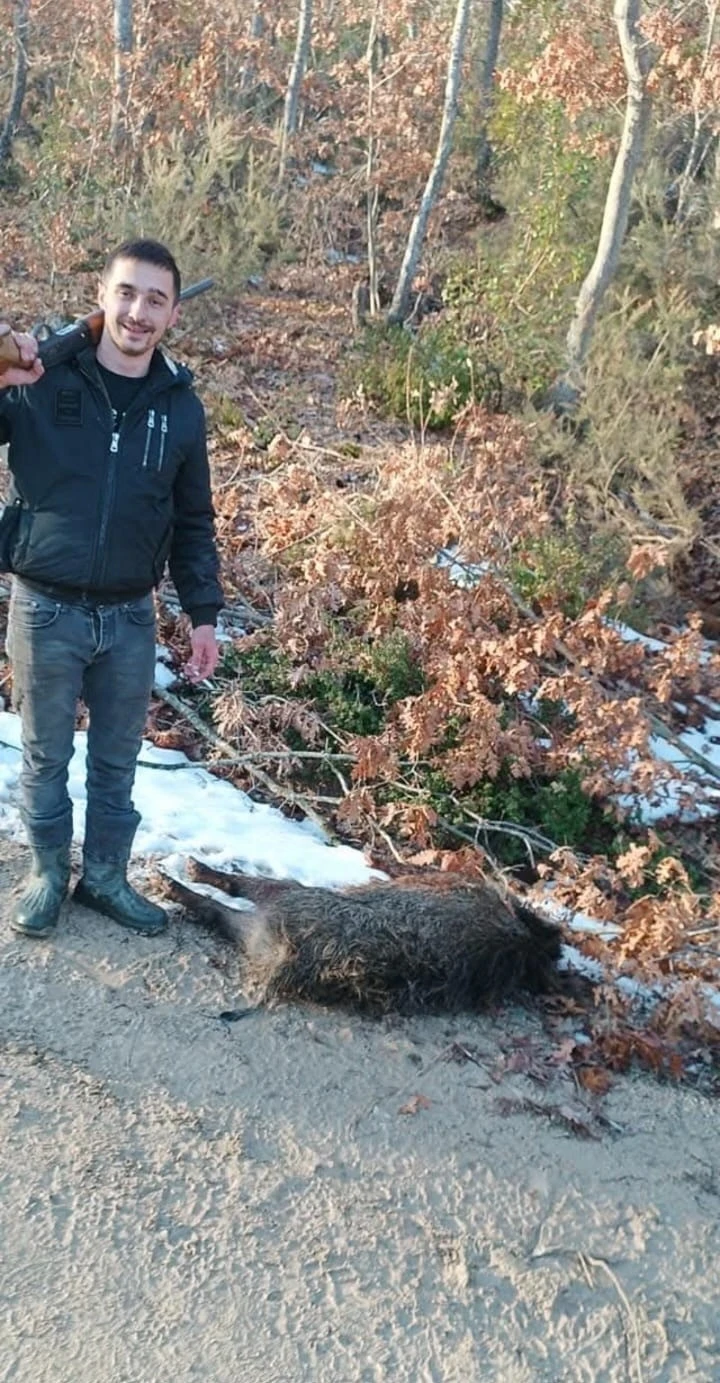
point(430, 576)
point(427, 657)
point(434, 666)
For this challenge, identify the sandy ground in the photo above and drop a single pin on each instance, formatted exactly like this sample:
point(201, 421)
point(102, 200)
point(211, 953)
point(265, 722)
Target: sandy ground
point(184, 1197)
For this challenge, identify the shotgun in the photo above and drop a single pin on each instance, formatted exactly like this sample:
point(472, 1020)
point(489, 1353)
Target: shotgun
point(61, 345)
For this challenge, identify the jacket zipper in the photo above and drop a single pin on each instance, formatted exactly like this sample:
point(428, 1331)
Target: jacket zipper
point(163, 435)
point(148, 436)
point(108, 492)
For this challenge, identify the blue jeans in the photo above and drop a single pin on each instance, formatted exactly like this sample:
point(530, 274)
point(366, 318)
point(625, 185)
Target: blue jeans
point(62, 650)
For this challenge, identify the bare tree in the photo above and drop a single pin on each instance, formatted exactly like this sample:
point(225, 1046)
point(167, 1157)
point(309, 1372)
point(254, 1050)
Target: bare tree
point(373, 58)
point(704, 123)
point(297, 72)
point(123, 51)
point(637, 58)
point(487, 74)
point(19, 80)
point(401, 297)
point(257, 29)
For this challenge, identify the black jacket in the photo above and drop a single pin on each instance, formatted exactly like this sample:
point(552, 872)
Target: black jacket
point(103, 511)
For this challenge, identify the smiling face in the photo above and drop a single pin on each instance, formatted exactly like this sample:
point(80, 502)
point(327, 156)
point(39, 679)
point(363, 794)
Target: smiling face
point(138, 299)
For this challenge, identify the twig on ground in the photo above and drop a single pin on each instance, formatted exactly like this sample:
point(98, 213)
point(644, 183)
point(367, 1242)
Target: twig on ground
point(388, 841)
point(663, 732)
point(589, 1259)
point(586, 1262)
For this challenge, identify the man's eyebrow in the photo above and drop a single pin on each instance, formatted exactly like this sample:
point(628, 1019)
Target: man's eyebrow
point(158, 292)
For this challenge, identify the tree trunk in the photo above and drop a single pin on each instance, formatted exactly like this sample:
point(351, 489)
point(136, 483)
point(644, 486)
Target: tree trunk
point(373, 58)
point(17, 94)
point(637, 57)
point(399, 305)
point(487, 73)
point(297, 72)
point(123, 50)
point(703, 121)
point(257, 29)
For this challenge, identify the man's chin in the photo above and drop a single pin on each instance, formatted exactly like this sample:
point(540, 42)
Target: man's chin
point(131, 345)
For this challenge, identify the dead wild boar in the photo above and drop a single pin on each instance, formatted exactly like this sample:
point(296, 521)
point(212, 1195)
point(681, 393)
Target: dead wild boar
point(401, 947)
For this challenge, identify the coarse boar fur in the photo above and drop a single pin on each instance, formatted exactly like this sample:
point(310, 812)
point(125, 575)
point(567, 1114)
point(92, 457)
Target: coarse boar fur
point(401, 947)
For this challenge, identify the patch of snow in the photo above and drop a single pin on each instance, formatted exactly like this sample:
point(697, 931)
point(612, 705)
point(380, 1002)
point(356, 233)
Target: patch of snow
point(187, 811)
point(466, 575)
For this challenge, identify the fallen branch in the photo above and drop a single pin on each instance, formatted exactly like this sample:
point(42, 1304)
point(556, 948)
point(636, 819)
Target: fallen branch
point(557, 1114)
point(292, 799)
point(237, 760)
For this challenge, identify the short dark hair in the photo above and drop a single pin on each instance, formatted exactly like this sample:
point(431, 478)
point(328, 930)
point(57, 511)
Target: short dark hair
point(147, 252)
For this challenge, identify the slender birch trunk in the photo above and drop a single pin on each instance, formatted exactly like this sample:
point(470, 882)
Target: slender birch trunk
point(123, 51)
point(19, 81)
point(371, 191)
point(401, 298)
point(703, 121)
point(638, 62)
point(487, 74)
point(297, 72)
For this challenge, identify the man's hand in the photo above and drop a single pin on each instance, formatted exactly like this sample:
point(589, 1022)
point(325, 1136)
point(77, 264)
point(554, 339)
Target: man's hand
point(205, 653)
point(30, 370)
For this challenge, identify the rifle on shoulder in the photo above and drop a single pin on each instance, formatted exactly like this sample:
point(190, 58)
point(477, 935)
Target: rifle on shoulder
point(58, 346)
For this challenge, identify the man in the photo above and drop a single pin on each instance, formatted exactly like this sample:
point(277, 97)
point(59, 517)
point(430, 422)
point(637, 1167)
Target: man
point(110, 474)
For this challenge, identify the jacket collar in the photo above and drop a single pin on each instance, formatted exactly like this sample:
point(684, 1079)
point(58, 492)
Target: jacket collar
point(164, 372)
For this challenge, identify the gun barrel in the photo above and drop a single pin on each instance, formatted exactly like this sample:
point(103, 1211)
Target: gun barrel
point(194, 289)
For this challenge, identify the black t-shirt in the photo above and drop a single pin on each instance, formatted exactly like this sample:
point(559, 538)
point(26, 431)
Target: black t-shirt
point(121, 390)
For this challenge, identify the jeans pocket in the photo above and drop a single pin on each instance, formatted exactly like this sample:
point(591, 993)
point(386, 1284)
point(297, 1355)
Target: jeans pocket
point(141, 611)
point(33, 611)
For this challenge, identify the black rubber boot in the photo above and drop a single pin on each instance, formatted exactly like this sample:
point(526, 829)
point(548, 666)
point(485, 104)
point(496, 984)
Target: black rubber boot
point(37, 909)
point(104, 888)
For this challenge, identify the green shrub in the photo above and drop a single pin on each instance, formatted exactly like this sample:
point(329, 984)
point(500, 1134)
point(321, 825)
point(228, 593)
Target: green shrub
point(558, 809)
point(217, 196)
point(515, 295)
point(394, 668)
point(424, 379)
point(353, 691)
point(563, 569)
point(355, 695)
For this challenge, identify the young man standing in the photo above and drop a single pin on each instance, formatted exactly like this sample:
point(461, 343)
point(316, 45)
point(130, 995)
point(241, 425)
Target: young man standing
point(109, 470)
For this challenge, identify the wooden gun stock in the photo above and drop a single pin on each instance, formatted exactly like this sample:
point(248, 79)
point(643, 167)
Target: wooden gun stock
point(61, 345)
point(69, 341)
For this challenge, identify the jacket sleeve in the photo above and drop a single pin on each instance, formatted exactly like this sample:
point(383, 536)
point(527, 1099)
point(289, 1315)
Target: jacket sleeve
point(5, 415)
point(194, 564)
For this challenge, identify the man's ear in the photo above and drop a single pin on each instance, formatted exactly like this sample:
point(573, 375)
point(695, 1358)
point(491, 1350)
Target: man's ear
point(174, 315)
point(101, 293)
